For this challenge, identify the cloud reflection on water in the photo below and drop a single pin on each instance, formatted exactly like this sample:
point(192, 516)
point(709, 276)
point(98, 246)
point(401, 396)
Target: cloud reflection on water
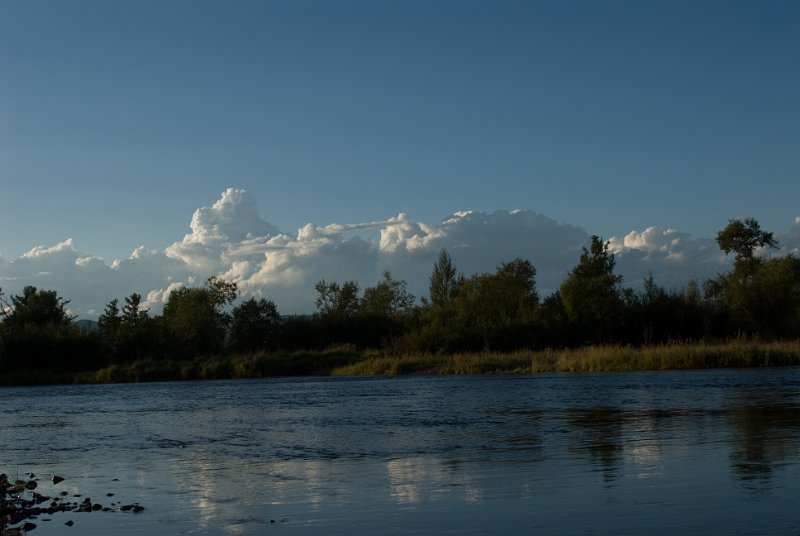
point(230, 457)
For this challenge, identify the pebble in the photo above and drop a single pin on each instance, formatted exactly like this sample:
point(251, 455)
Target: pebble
point(20, 504)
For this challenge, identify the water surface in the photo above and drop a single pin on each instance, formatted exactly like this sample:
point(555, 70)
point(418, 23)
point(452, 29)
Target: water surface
point(696, 452)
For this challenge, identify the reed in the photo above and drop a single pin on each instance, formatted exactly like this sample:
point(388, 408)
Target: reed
point(347, 361)
point(676, 356)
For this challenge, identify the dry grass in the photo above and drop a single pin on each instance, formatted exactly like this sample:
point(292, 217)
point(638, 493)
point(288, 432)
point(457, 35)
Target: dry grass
point(346, 361)
point(676, 356)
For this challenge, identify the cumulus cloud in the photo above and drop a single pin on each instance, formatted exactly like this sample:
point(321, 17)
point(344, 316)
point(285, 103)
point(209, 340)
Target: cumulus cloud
point(479, 241)
point(88, 281)
point(231, 239)
point(791, 240)
point(671, 256)
point(216, 230)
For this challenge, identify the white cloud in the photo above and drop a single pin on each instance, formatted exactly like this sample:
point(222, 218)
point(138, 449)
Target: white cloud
point(479, 241)
point(231, 239)
point(791, 240)
point(673, 257)
point(233, 219)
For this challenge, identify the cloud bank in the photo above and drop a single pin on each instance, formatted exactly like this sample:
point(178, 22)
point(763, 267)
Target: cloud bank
point(231, 239)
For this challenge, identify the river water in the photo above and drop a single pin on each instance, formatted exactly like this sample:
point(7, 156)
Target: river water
point(696, 452)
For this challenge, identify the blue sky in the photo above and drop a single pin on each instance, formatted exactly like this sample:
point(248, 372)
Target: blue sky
point(118, 119)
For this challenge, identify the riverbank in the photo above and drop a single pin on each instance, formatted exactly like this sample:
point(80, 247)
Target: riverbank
point(350, 362)
point(679, 356)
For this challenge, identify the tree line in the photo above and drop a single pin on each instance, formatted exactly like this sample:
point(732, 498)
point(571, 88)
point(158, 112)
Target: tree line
point(500, 311)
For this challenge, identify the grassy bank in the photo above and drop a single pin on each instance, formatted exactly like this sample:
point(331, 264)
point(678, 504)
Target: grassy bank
point(679, 356)
point(349, 362)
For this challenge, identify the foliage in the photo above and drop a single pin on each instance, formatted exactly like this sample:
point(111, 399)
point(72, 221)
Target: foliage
point(37, 333)
point(760, 296)
point(591, 293)
point(742, 237)
point(479, 315)
point(486, 311)
point(109, 327)
point(34, 306)
point(194, 318)
point(389, 297)
point(253, 322)
point(444, 280)
point(333, 299)
point(132, 313)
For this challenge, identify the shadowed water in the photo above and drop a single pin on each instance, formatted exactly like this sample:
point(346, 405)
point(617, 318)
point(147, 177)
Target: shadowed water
point(698, 452)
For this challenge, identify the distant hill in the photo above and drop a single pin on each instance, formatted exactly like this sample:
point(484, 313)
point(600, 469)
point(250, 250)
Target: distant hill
point(86, 325)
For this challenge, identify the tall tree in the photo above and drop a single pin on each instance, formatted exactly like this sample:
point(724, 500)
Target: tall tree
point(252, 323)
point(519, 281)
point(195, 318)
point(742, 237)
point(221, 292)
point(591, 293)
point(132, 312)
point(390, 296)
point(109, 327)
point(493, 311)
point(37, 307)
point(761, 296)
point(37, 333)
point(335, 299)
point(444, 280)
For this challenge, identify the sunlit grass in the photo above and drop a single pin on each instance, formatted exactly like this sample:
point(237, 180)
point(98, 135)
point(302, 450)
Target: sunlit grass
point(588, 359)
point(347, 361)
point(738, 353)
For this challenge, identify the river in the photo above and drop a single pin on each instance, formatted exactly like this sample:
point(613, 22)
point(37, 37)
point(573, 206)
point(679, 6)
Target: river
point(694, 452)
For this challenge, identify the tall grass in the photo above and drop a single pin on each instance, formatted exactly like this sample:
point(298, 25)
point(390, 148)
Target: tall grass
point(226, 367)
point(347, 361)
point(677, 356)
point(738, 353)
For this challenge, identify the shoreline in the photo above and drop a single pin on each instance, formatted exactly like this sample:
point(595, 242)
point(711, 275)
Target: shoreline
point(347, 361)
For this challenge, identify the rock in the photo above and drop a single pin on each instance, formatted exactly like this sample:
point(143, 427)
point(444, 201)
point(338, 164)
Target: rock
point(20, 505)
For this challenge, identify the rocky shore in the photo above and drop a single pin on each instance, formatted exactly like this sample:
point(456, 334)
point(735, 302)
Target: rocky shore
point(21, 504)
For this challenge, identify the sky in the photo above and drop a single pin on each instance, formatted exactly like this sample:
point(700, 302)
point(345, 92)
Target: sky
point(141, 141)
